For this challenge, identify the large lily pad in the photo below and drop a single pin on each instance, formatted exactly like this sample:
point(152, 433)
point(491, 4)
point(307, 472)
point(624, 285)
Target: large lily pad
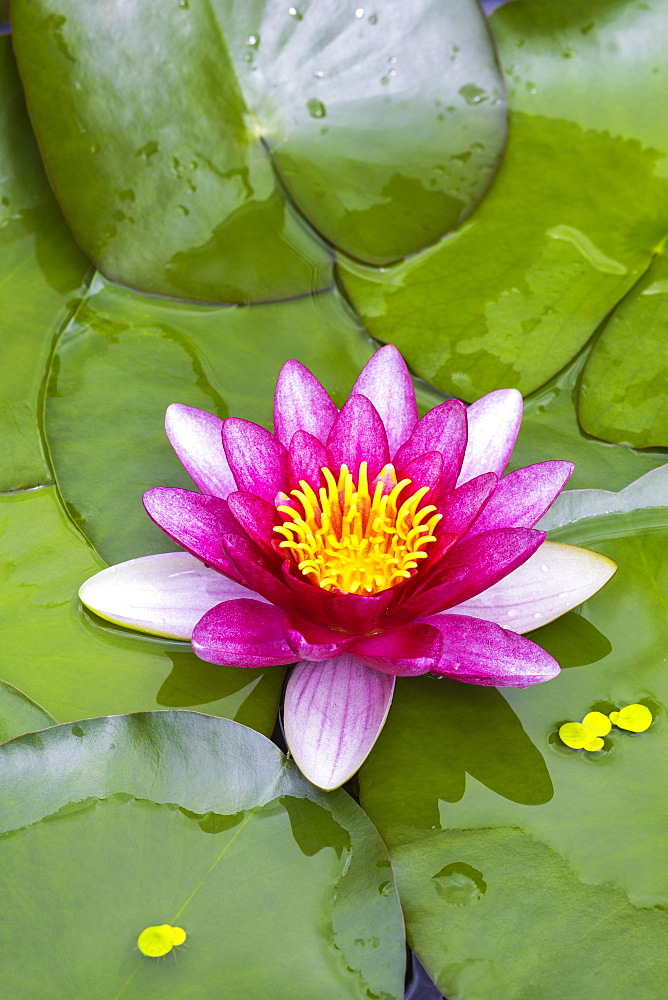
point(118, 824)
point(527, 868)
point(75, 667)
point(162, 128)
point(576, 213)
point(41, 269)
point(125, 357)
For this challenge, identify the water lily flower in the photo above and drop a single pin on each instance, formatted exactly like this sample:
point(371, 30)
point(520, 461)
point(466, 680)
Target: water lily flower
point(362, 544)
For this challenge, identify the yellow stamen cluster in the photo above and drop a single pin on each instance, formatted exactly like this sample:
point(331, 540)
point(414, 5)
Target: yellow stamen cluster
point(345, 538)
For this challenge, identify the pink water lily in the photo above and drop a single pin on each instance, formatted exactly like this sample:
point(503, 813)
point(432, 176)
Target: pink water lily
point(363, 543)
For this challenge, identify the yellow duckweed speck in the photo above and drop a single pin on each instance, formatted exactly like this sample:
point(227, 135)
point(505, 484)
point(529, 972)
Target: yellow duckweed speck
point(635, 718)
point(157, 941)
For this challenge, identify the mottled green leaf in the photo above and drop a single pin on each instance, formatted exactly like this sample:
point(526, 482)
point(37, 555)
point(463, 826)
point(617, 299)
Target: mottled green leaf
point(41, 270)
point(75, 667)
point(178, 136)
point(575, 215)
point(19, 714)
point(527, 869)
point(117, 824)
point(624, 390)
point(550, 429)
point(125, 357)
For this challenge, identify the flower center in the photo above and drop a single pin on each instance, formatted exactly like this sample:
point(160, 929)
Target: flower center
point(347, 538)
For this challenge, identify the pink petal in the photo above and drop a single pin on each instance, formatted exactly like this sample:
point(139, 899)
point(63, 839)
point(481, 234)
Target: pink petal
point(242, 633)
point(301, 404)
point(442, 429)
point(494, 422)
point(386, 382)
point(472, 566)
point(195, 437)
point(480, 652)
point(358, 435)
point(315, 642)
point(555, 579)
point(522, 497)
point(259, 572)
point(307, 457)
point(333, 714)
point(195, 521)
point(258, 460)
point(405, 651)
point(427, 470)
point(165, 594)
point(461, 506)
point(256, 517)
point(355, 613)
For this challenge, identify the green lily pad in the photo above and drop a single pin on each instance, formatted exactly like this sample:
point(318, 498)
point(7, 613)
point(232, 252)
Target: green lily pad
point(172, 135)
point(19, 714)
point(125, 357)
point(42, 270)
point(75, 667)
point(624, 390)
point(550, 429)
point(119, 824)
point(527, 868)
point(576, 213)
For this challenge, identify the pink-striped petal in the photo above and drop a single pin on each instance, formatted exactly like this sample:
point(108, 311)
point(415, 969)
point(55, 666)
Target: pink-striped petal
point(165, 594)
point(333, 714)
point(442, 429)
point(301, 404)
point(258, 460)
point(494, 423)
point(555, 579)
point(522, 497)
point(195, 436)
point(480, 652)
point(405, 651)
point(307, 457)
point(242, 633)
point(195, 521)
point(386, 382)
point(358, 435)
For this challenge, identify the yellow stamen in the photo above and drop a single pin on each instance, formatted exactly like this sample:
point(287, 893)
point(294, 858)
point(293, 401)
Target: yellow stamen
point(345, 539)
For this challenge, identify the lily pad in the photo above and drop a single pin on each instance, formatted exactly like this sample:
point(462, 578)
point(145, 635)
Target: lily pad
point(119, 824)
point(125, 357)
point(624, 390)
point(527, 868)
point(575, 216)
point(19, 714)
point(75, 667)
point(178, 137)
point(42, 270)
point(550, 429)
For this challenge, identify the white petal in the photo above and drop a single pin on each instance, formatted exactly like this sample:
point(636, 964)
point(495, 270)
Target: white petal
point(555, 579)
point(494, 423)
point(166, 594)
point(333, 714)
